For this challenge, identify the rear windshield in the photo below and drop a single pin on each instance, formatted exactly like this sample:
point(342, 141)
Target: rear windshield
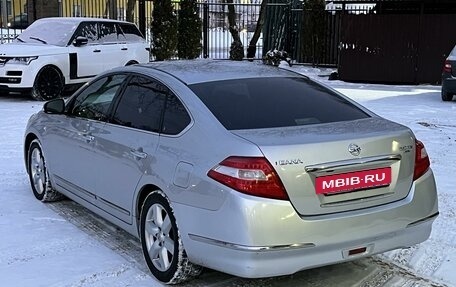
point(273, 102)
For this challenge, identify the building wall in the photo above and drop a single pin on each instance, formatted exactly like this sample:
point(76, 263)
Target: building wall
point(114, 9)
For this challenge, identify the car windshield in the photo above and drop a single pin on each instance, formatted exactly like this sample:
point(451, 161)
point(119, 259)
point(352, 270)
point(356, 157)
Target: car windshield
point(51, 32)
point(274, 102)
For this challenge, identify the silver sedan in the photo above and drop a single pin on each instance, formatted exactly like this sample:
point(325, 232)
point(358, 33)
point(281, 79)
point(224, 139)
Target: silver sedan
point(244, 168)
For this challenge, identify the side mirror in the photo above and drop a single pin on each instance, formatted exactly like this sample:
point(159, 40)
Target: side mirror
point(56, 106)
point(80, 41)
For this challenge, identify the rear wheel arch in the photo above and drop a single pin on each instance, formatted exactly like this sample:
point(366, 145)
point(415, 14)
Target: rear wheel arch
point(142, 195)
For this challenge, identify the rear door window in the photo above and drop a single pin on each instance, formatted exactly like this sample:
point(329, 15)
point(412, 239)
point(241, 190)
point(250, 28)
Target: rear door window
point(149, 105)
point(176, 117)
point(108, 33)
point(131, 32)
point(141, 105)
point(274, 102)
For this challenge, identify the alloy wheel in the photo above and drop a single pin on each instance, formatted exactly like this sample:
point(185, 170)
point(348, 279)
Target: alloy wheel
point(38, 171)
point(160, 236)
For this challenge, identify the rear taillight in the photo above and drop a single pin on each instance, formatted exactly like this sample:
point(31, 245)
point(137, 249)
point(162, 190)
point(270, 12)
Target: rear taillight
point(249, 175)
point(421, 160)
point(447, 67)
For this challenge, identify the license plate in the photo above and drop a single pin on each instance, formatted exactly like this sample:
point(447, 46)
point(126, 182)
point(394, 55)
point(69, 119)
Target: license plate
point(352, 181)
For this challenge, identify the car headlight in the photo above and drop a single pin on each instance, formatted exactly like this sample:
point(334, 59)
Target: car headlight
point(21, 60)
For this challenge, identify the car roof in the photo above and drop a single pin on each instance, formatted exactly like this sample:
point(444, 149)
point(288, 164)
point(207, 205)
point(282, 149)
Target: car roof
point(79, 19)
point(198, 71)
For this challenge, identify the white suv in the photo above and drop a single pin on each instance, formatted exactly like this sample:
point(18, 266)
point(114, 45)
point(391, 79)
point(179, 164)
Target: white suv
point(56, 52)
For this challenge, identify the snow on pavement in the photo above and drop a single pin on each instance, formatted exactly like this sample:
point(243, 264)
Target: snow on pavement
point(39, 247)
point(64, 245)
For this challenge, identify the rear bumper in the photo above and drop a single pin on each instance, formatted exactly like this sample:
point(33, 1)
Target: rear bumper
point(251, 237)
point(284, 260)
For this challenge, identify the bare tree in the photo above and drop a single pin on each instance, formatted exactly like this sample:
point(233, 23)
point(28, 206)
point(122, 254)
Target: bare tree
point(251, 50)
point(111, 9)
point(236, 49)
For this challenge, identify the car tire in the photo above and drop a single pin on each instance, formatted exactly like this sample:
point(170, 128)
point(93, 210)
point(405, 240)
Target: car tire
point(38, 174)
point(161, 242)
point(48, 85)
point(446, 97)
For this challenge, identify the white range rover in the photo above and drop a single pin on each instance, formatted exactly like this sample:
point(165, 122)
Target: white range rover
point(54, 53)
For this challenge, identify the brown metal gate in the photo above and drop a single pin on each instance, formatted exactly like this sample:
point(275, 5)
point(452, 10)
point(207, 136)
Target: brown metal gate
point(395, 48)
point(437, 38)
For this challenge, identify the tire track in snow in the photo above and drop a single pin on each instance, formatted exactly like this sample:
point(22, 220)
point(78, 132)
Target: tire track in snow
point(47, 248)
point(113, 237)
point(100, 278)
point(408, 276)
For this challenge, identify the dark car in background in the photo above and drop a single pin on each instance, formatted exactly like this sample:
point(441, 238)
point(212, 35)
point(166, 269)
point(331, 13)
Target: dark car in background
point(19, 22)
point(449, 77)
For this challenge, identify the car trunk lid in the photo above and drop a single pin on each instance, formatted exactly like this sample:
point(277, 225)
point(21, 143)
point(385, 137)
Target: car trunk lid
point(340, 166)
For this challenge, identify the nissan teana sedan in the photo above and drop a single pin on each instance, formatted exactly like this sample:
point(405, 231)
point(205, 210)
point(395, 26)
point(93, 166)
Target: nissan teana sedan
point(240, 167)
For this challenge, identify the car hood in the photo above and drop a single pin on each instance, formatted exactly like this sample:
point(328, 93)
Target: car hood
point(30, 49)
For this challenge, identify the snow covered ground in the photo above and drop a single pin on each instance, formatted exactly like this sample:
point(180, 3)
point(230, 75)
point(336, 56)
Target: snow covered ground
point(62, 244)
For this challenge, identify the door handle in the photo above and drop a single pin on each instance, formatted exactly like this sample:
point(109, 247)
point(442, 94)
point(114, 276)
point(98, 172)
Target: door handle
point(88, 138)
point(124, 49)
point(97, 51)
point(138, 154)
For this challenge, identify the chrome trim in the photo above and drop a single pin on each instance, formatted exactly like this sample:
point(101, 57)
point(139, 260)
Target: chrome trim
point(72, 186)
point(356, 200)
point(113, 206)
point(356, 161)
point(430, 217)
point(249, 248)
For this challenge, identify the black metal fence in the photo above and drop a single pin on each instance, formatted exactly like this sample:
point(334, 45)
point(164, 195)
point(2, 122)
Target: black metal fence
point(283, 26)
point(216, 35)
point(13, 18)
